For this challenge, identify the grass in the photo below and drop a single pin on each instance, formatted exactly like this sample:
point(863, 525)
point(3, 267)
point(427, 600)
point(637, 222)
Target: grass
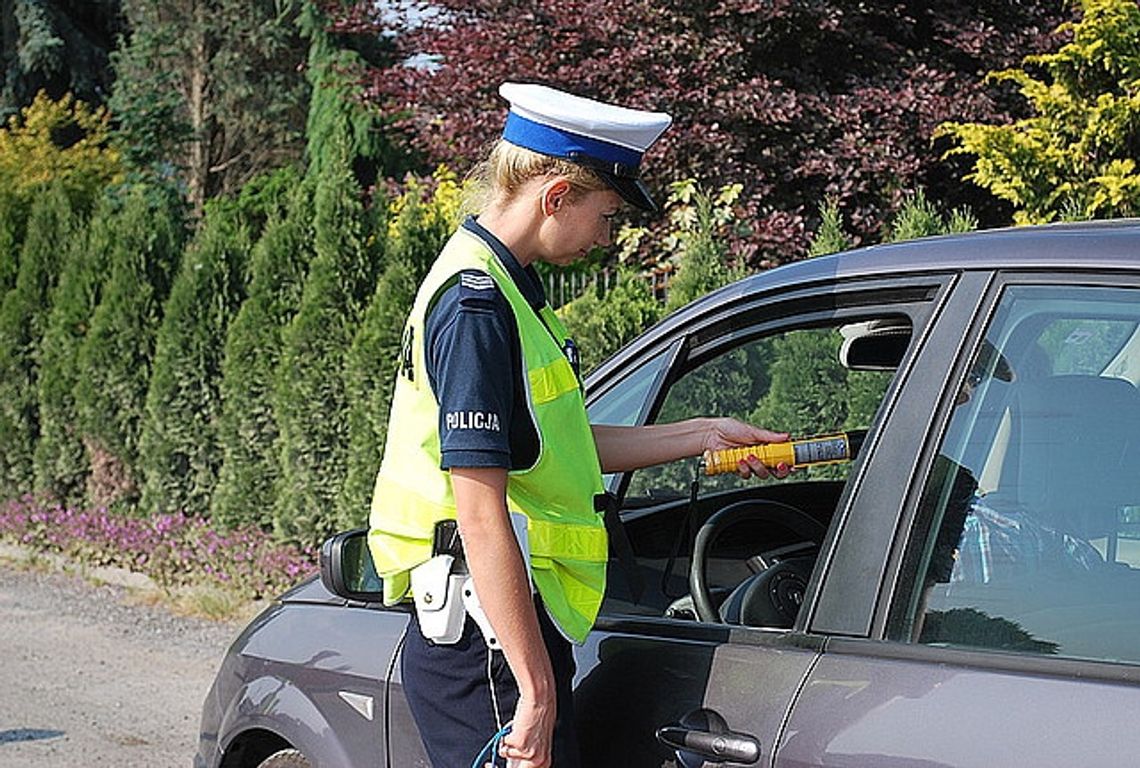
point(211, 602)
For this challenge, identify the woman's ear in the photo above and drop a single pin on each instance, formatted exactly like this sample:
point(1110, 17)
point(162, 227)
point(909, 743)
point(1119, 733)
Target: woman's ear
point(553, 196)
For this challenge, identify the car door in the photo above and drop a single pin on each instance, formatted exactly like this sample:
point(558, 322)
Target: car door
point(655, 686)
point(1005, 630)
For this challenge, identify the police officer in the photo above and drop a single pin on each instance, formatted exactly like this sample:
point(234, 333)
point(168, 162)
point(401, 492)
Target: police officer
point(488, 420)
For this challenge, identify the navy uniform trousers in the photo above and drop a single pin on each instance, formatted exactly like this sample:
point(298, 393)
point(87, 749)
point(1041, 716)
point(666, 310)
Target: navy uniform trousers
point(462, 694)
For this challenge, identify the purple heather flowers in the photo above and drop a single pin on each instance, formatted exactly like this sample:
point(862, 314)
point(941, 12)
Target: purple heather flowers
point(174, 550)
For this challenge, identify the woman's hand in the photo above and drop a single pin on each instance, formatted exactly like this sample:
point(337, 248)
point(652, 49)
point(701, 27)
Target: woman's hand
point(731, 433)
point(530, 742)
point(497, 566)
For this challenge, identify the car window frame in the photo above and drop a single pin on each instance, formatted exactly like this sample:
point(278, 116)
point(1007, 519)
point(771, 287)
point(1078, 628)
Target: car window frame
point(919, 296)
point(901, 577)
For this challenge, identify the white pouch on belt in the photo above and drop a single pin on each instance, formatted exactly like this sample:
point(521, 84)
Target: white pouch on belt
point(439, 602)
point(444, 594)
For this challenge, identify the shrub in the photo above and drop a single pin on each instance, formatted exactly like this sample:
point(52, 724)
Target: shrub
point(698, 223)
point(1075, 157)
point(600, 325)
point(23, 315)
point(830, 237)
point(117, 351)
point(180, 453)
point(61, 462)
point(796, 100)
point(248, 431)
point(62, 142)
point(421, 217)
point(916, 217)
point(172, 549)
point(309, 399)
point(919, 217)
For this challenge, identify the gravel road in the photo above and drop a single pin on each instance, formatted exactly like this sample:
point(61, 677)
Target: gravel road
point(89, 678)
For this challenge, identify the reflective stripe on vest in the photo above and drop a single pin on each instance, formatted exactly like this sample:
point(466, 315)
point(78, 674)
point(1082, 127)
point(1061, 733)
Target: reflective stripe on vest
point(568, 546)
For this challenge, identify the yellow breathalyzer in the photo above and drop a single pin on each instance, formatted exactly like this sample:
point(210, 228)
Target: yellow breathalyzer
point(805, 452)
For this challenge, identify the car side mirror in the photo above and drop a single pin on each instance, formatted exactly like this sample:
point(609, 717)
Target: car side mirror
point(347, 569)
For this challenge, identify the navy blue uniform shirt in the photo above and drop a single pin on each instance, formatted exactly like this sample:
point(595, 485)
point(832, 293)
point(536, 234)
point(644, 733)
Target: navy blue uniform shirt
point(474, 366)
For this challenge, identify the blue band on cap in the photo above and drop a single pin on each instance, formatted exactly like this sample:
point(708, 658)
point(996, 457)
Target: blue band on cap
point(559, 143)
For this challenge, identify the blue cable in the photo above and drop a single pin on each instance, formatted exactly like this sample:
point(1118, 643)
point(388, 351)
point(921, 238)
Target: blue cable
point(491, 750)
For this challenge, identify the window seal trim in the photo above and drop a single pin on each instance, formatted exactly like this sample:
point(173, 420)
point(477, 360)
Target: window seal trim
point(990, 659)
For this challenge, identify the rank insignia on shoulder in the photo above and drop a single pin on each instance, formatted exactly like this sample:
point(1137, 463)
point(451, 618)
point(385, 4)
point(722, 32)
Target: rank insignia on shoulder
point(476, 281)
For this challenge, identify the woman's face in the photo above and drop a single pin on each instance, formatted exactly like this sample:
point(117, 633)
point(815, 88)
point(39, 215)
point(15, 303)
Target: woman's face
point(578, 224)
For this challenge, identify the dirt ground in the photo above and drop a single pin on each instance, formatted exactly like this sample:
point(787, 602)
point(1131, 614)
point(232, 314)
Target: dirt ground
point(89, 675)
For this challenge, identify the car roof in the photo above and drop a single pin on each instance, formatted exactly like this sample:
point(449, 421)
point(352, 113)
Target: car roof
point(1113, 244)
point(1110, 245)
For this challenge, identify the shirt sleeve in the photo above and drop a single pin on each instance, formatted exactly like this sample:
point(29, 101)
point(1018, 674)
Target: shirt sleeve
point(468, 359)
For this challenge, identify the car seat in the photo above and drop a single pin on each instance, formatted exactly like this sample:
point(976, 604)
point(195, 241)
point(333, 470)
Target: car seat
point(1074, 452)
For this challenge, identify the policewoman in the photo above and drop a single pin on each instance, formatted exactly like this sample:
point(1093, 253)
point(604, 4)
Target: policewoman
point(485, 508)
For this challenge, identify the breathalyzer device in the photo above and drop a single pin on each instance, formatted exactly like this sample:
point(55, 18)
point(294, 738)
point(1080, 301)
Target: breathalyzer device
point(804, 452)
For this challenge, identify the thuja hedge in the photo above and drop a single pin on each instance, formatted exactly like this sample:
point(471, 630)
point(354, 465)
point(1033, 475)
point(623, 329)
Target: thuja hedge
point(184, 378)
point(232, 369)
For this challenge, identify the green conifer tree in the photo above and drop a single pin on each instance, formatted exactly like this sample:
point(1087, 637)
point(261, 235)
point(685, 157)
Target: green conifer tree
point(61, 465)
point(246, 488)
point(11, 235)
point(600, 325)
point(309, 394)
point(23, 315)
point(830, 237)
point(180, 453)
point(116, 355)
point(702, 266)
point(808, 384)
point(370, 377)
point(336, 119)
point(920, 217)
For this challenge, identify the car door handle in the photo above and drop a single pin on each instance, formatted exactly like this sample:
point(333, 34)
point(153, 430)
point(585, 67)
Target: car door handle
point(704, 735)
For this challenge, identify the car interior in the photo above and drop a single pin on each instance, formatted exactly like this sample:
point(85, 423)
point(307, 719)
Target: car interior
point(1044, 438)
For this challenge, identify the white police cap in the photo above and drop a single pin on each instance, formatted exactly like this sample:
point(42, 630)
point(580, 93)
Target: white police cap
point(605, 138)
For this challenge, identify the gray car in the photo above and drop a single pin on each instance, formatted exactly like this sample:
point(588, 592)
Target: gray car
point(965, 592)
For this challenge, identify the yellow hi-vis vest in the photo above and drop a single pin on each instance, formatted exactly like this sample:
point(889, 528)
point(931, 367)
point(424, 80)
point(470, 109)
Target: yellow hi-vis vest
point(567, 537)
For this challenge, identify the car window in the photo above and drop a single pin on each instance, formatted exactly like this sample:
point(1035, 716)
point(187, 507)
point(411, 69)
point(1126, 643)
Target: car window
point(626, 402)
point(808, 380)
point(790, 382)
point(1034, 496)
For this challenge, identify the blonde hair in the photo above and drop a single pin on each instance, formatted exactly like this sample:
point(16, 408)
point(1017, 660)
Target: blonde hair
point(508, 167)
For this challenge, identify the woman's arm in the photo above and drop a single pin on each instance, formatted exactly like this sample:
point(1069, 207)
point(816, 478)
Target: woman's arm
point(625, 448)
point(501, 581)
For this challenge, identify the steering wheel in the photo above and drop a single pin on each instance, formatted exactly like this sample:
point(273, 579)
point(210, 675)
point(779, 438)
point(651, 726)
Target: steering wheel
point(795, 520)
